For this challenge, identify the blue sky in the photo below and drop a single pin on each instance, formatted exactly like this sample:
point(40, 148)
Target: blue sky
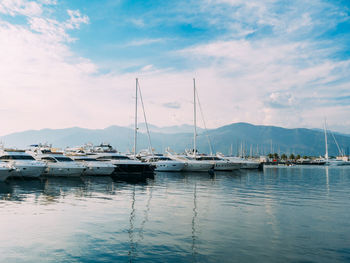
point(272, 62)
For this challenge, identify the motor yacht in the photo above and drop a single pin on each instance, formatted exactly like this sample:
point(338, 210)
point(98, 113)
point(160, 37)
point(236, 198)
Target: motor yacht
point(24, 164)
point(124, 164)
point(5, 171)
point(190, 164)
point(56, 163)
point(336, 162)
point(60, 165)
point(242, 162)
point(219, 164)
point(163, 163)
point(93, 166)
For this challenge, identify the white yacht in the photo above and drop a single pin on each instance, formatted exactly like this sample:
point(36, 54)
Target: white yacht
point(163, 163)
point(56, 163)
point(93, 166)
point(60, 165)
point(336, 162)
point(105, 153)
point(5, 171)
point(242, 162)
point(220, 164)
point(339, 161)
point(190, 164)
point(24, 164)
point(124, 164)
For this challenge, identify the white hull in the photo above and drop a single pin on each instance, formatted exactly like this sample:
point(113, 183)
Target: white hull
point(226, 166)
point(337, 163)
point(197, 166)
point(243, 163)
point(27, 171)
point(98, 170)
point(52, 170)
point(168, 166)
point(249, 165)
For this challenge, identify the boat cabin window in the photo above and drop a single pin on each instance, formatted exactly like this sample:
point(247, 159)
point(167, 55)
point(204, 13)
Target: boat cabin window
point(49, 159)
point(113, 158)
point(63, 159)
point(208, 158)
point(85, 159)
point(183, 158)
point(156, 159)
point(17, 157)
point(120, 158)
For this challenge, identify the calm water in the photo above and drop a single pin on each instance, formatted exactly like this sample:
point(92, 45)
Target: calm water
point(279, 215)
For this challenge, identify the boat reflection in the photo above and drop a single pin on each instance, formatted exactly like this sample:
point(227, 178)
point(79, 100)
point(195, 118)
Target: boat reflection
point(19, 189)
point(52, 189)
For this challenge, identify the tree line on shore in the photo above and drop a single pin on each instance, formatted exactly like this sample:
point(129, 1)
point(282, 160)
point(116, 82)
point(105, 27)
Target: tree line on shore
point(285, 157)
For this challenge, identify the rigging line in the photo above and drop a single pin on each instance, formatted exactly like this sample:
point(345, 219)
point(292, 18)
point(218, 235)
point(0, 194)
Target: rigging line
point(339, 150)
point(144, 115)
point(205, 126)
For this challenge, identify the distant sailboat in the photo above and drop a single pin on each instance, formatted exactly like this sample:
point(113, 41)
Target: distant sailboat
point(190, 160)
point(332, 162)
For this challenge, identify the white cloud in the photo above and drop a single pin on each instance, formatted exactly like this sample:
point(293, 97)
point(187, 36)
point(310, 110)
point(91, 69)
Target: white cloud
point(138, 22)
point(270, 79)
point(76, 19)
point(143, 42)
point(267, 80)
point(20, 7)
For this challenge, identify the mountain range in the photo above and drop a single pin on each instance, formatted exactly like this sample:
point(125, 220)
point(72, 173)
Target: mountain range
point(234, 138)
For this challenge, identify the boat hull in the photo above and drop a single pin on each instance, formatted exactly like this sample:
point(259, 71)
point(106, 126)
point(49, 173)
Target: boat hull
point(226, 166)
point(249, 165)
point(133, 168)
point(5, 173)
point(168, 166)
point(27, 171)
point(64, 171)
point(98, 170)
point(197, 167)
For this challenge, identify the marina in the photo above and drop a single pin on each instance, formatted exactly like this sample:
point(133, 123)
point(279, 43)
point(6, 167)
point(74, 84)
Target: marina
point(174, 131)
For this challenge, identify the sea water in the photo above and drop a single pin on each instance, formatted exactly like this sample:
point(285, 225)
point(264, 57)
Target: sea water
point(281, 214)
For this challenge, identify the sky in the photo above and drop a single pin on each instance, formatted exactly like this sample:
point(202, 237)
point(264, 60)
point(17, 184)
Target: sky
point(270, 62)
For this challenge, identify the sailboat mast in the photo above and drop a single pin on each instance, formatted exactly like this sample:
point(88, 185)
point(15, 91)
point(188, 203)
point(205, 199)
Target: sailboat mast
point(135, 137)
point(325, 139)
point(194, 120)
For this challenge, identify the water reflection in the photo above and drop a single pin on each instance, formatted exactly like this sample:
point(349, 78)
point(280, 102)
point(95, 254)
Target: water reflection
point(327, 179)
point(18, 190)
point(277, 215)
point(51, 189)
point(132, 252)
point(194, 249)
point(146, 212)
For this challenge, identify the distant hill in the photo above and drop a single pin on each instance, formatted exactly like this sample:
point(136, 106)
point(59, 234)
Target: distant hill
point(237, 136)
point(184, 128)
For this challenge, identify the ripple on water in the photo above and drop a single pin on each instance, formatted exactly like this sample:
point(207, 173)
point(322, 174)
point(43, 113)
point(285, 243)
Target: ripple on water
point(278, 215)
